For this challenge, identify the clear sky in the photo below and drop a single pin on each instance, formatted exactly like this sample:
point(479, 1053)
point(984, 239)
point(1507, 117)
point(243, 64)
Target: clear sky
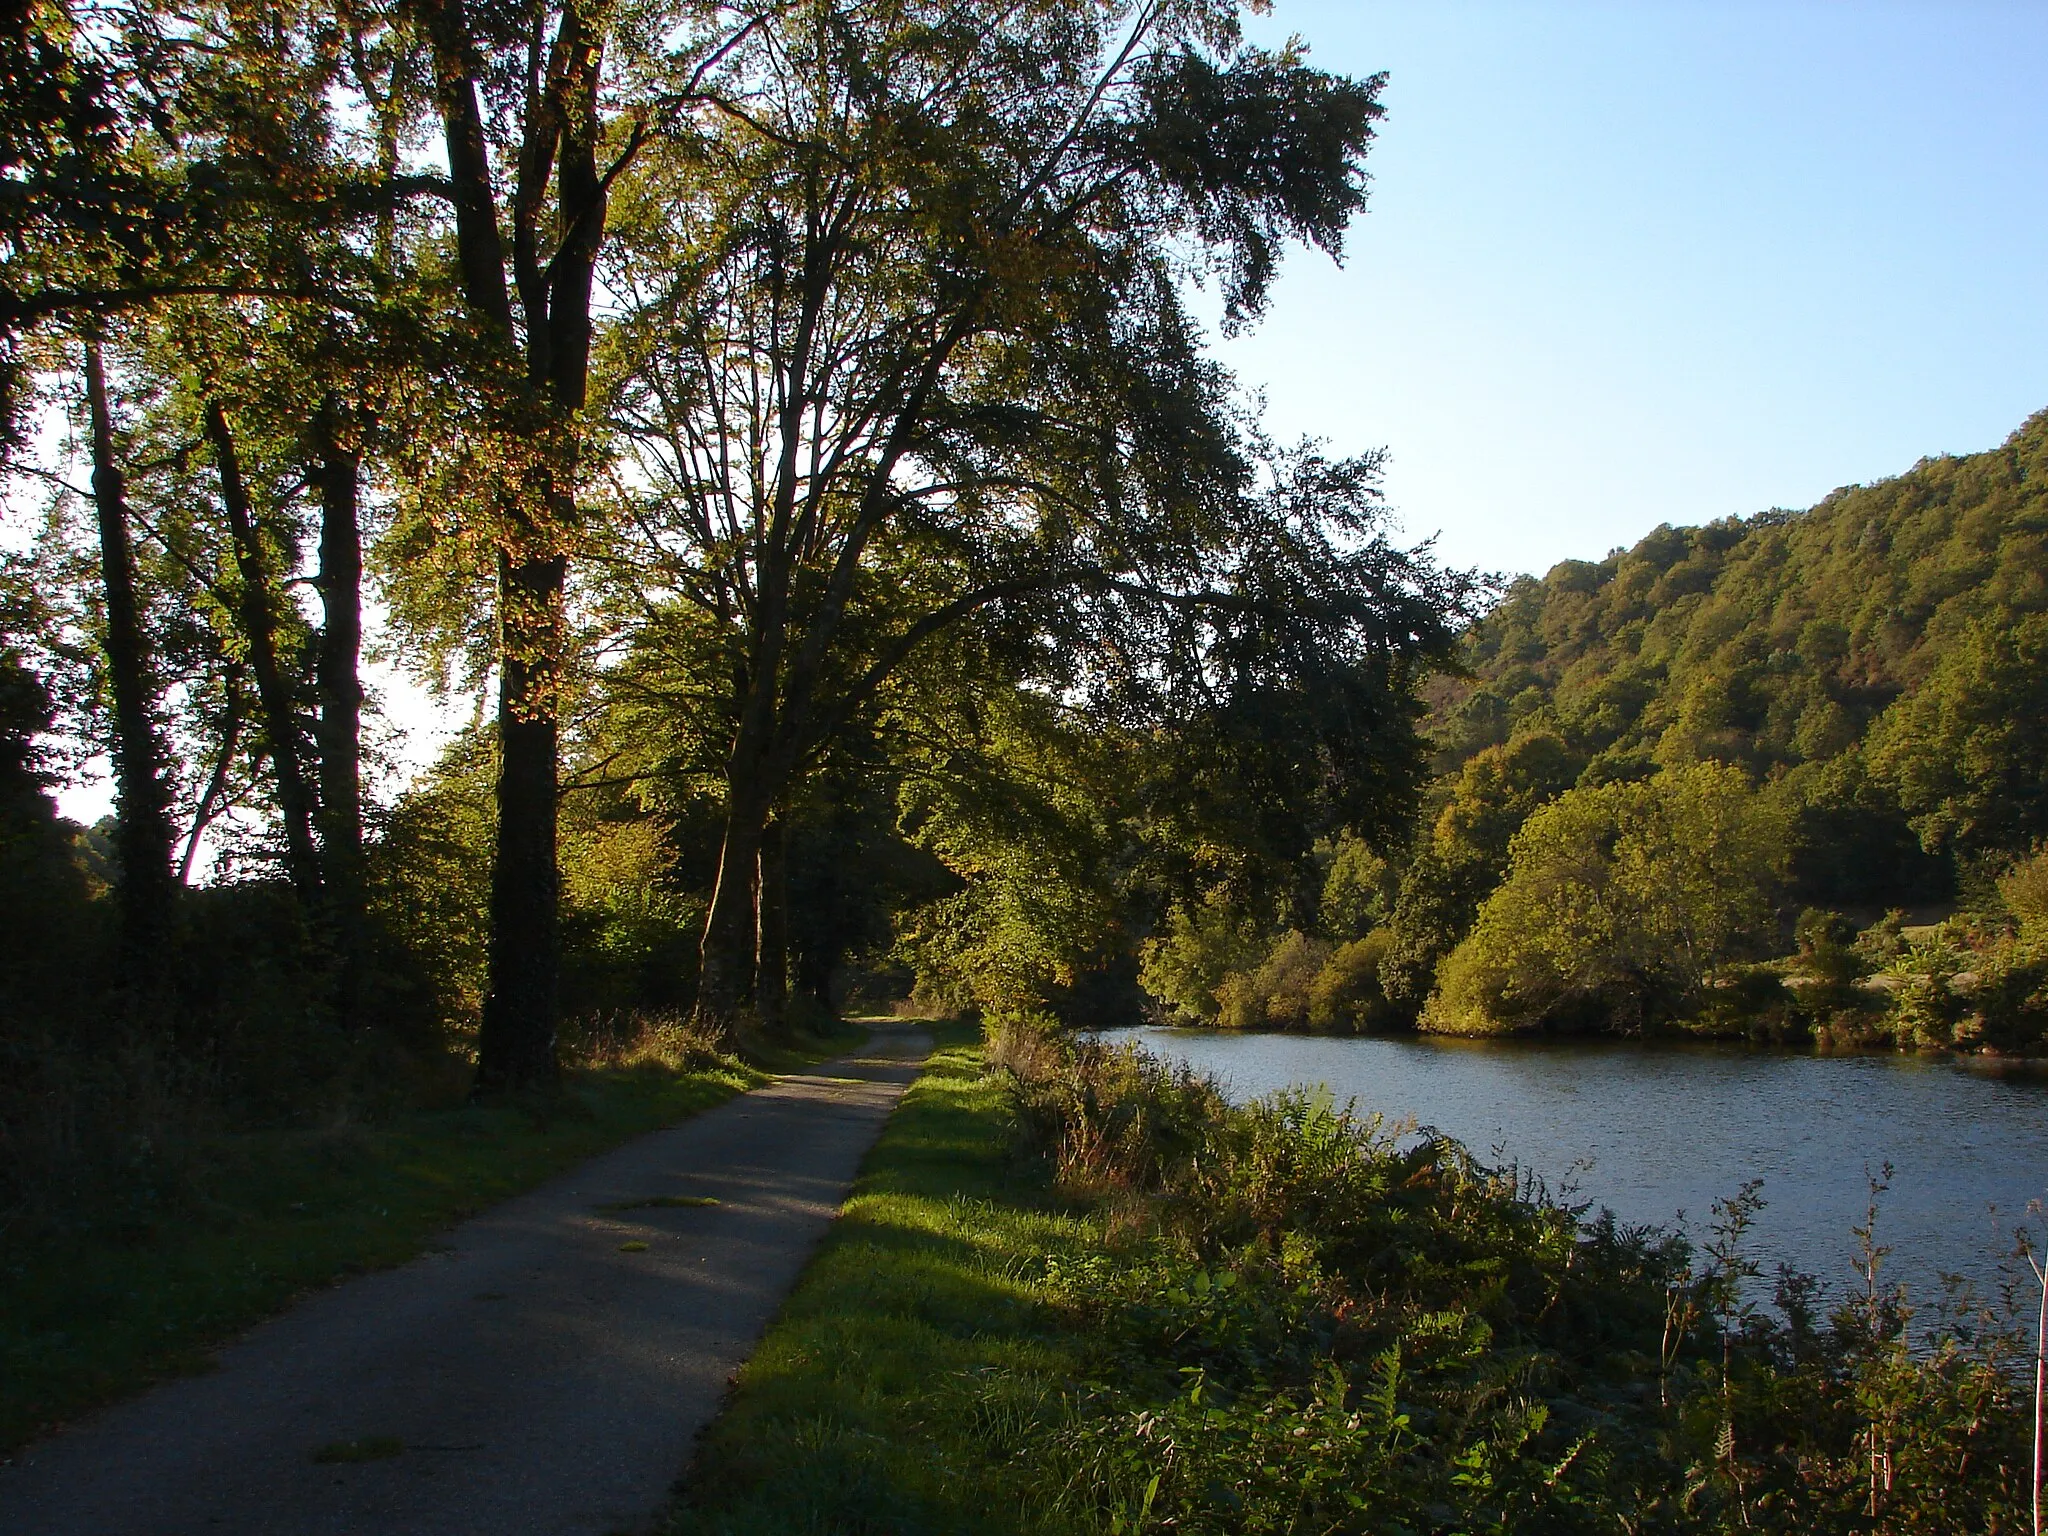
point(1668, 261)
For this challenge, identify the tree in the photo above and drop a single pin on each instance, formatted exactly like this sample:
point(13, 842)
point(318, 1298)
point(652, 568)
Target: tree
point(1619, 902)
point(1964, 751)
point(1465, 854)
point(141, 774)
point(518, 95)
point(907, 349)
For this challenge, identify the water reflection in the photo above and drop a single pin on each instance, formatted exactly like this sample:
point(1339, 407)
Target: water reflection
point(1659, 1133)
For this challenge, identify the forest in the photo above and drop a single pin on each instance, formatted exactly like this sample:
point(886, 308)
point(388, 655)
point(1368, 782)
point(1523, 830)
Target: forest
point(787, 427)
point(1783, 776)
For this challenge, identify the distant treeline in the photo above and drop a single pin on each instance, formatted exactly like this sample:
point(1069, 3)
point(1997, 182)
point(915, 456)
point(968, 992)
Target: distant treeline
point(1725, 745)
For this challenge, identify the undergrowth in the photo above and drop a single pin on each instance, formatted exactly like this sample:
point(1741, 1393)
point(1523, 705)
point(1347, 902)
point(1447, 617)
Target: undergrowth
point(1080, 1293)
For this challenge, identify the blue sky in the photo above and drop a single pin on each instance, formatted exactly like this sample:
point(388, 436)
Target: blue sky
point(1665, 262)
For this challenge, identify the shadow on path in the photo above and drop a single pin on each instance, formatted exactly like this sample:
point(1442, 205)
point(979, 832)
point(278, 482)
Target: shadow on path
point(543, 1370)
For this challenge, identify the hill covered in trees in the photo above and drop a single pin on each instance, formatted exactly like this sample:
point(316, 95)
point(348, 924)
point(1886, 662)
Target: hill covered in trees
point(1657, 762)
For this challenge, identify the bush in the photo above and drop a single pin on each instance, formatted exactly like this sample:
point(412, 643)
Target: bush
point(1969, 986)
point(1276, 994)
point(1620, 901)
point(1347, 994)
point(2024, 889)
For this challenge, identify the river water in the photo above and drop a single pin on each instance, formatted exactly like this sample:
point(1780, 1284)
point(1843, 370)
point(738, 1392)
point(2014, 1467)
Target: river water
point(1658, 1133)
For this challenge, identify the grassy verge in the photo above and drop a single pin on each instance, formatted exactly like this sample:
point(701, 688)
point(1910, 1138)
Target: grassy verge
point(866, 1407)
point(102, 1311)
point(1277, 1318)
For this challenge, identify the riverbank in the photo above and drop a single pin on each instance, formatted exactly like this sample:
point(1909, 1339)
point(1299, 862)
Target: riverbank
point(1658, 1131)
point(1086, 1294)
point(100, 1308)
point(875, 1401)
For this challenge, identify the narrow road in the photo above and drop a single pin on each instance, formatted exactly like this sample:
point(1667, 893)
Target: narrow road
point(543, 1371)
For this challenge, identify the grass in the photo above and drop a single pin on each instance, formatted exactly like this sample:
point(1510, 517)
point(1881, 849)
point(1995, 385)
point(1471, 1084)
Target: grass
point(105, 1309)
point(867, 1407)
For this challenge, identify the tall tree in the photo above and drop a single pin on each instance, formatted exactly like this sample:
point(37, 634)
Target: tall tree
point(907, 349)
point(338, 676)
point(143, 796)
point(536, 327)
point(276, 693)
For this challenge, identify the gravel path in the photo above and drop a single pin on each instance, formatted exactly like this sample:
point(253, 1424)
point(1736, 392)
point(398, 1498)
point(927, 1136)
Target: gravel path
point(543, 1371)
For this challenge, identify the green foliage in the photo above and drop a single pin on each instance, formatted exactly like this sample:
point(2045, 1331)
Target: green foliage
point(430, 876)
point(1465, 854)
point(1969, 985)
point(2024, 890)
point(1277, 995)
point(629, 935)
point(1281, 1317)
point(1618, 903)
point(1359, 888)
point(1964, 750)
point(1870, 664)
point(1203, 943)
point(1904, 614)
point(1349, 994)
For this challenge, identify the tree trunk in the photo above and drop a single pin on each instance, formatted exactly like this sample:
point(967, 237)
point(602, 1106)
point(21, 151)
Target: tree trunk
point(338, 673)
point(211, 798)
point(273, 690)
point(771, 947)
point(516, 1045)
point(143, 838)
point(731, 927)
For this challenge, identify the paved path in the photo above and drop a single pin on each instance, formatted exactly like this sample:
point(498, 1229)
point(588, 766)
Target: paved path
point(540, 1379)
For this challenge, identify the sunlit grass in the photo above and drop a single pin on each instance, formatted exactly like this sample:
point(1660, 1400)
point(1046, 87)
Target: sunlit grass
point(866, 1406)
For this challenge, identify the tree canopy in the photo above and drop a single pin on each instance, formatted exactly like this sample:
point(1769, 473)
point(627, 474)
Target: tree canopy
point(790, 416)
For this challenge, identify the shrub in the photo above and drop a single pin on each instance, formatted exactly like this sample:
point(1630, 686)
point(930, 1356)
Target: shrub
point(1276, 994)
point(1347, 994)
point(1968, 986)
point(2024, 889)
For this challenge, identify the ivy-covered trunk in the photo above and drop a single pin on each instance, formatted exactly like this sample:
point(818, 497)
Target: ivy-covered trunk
point(143, 835)
point(338, 677)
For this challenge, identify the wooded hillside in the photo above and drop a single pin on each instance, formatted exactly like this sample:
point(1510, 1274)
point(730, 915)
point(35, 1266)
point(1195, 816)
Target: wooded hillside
point(1899, 624)
point(1840, 713)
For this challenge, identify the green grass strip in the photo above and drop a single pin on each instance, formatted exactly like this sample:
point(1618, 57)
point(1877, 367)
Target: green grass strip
point(869, 1405)
point(106, 1309)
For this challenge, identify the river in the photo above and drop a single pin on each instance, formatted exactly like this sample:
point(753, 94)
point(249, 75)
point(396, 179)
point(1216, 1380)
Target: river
point(1658, 1133)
